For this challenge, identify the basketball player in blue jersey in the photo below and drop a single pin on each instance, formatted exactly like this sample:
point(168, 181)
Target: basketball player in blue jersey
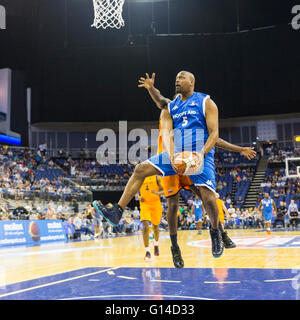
point(198, 211)
point(173, 200)
point(194, 111)
point(267, 205)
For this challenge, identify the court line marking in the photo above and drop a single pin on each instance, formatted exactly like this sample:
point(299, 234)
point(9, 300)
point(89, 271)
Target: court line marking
point(96, 280)
point(138, 295)
point(166, 281)
point(124, 277)
point(277, 280)
point(56, 251)
point(56, 282)
point(222, 282)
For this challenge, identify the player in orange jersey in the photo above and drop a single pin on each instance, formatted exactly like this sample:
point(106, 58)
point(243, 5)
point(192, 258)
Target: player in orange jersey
point(151, 211)
point(222, 209)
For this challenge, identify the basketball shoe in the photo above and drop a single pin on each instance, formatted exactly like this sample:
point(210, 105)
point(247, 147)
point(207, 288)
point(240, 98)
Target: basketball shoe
point(147, 255)
point(228, 243)
point(177, 258)
point(112, 215)
point(216, 242)
point(156, 251)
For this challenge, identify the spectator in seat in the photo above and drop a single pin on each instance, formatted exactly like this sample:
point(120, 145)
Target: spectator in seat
point(164, 222)
point(189, 220)
point(259, 223)
point(128, 223)
point(79, 226)
point(75, 206)
point(294, 218)
point(20, 212)
point(281, 212)
point(231, 210)
point(51, 213)
point(292, 205)
point(136, 212)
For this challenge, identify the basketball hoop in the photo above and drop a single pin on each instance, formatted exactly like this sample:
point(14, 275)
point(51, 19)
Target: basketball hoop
point(292, 164)
point(108, 14)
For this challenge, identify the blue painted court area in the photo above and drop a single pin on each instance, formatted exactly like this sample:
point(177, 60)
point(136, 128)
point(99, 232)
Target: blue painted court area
point(160, 283)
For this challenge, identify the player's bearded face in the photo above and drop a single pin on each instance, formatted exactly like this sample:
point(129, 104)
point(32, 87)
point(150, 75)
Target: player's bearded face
point(182, 84)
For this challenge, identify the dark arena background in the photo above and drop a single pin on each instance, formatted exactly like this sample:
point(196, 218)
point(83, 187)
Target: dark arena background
point(72, 118)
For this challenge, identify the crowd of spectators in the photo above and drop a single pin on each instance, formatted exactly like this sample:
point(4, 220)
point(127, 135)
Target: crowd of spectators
point(278, 155)
point(29, 174)
point(225, 159)
point(95, 175)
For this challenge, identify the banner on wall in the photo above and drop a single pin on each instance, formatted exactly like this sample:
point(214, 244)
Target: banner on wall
point(29, 232)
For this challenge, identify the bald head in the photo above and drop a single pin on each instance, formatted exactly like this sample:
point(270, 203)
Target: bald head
point(189, 75)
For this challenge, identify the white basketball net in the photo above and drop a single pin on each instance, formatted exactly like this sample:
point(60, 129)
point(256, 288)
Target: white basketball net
point(108, 14)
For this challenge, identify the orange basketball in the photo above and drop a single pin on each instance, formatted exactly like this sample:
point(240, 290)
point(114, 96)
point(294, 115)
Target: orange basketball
point(187, 163)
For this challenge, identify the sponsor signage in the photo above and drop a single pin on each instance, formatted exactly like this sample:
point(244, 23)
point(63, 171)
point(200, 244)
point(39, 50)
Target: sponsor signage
point(28, 232)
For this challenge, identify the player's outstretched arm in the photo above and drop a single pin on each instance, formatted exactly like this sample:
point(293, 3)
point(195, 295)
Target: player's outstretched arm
point(148, 83)
point(248, 152)
point(212, 122)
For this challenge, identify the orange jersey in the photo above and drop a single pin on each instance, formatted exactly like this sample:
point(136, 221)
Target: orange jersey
point(149, 185)
point(220, 206)
point(172, 184)
point(220, 209)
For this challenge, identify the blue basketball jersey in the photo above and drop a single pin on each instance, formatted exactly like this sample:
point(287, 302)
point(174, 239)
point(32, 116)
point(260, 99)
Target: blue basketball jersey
point(198, 207)
point(189, 123)
point(267, 206)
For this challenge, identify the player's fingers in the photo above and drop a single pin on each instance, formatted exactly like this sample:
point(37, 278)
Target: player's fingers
point(142, 79)
point(147, 76)
point(153, 76)
point(141, 86)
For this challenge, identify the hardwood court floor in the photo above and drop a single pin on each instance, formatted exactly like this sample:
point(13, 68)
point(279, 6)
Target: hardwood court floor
point(115, 268)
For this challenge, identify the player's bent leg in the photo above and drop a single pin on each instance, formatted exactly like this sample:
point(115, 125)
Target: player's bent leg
point(173, 205)
point(209, 202)
point(114, 214)
point(156, 239)
point(141, 171)
point(210, 205)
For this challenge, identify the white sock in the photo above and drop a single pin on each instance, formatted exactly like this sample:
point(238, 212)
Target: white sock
point(147, 249)
point(156, 243)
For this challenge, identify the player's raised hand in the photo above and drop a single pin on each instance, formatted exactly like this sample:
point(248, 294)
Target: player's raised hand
point(147, 82)
point(249, 153)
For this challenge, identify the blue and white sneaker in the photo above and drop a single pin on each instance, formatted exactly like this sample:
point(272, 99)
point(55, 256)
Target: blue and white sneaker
point(112, 215)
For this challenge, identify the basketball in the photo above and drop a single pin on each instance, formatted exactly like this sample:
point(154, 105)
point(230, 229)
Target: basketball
point(188, 163)
point(34, 231)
